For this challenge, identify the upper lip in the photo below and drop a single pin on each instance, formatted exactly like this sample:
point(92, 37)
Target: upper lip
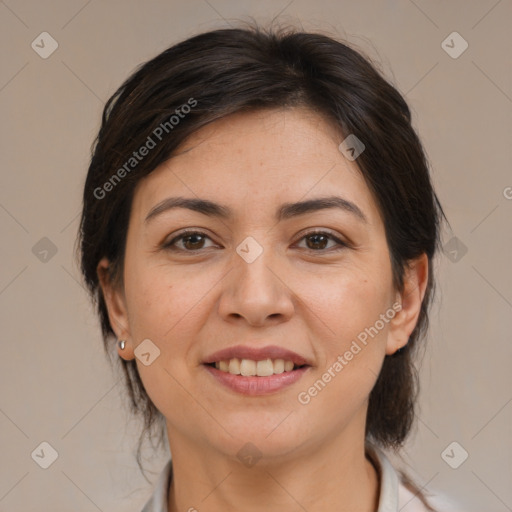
point(256, 354)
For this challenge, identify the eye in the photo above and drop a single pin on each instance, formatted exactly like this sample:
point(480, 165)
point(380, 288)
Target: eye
point(191, 241)
point(317, 241)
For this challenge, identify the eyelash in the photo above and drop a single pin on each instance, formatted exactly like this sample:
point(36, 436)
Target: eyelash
point(169, 245)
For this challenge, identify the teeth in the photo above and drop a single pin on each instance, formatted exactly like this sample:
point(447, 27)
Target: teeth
point(234, 366)
point(279, 366)
point(249, 368)
point(265, 368)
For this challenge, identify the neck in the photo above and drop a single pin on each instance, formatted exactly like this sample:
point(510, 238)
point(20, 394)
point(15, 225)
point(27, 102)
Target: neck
point(335, 476)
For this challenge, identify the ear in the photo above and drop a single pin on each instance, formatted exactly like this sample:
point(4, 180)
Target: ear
point(404, 322)
point(116, 307)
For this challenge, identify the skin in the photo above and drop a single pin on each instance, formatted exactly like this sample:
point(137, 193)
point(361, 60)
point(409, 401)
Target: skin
point(300, 293)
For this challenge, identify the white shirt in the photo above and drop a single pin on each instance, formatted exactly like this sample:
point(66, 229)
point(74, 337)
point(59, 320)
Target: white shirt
point(393, 496)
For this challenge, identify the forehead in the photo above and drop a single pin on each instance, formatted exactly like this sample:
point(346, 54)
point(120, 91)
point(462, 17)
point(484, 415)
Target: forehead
point(256, 160)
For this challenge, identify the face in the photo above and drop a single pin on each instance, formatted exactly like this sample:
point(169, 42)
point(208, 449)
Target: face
point(315, 281)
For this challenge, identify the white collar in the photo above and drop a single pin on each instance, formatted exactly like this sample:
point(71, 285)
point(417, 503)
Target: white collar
point(388, 497)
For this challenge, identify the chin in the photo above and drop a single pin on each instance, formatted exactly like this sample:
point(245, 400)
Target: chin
point(261, 441)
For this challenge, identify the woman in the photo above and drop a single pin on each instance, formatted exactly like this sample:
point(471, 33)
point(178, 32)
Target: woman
point(258, 229)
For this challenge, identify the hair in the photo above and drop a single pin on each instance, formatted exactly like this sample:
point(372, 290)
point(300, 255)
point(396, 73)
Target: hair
point(227, 71)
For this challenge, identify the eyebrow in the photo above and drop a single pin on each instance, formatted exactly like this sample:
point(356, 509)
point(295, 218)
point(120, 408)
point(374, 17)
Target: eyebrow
point(285, 211)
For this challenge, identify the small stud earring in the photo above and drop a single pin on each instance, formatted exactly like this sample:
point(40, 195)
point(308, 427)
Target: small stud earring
point(121, 344)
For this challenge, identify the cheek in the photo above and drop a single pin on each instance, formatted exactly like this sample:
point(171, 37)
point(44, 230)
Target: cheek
point(149, 299)
point(347, 302)
point(167, 304)
point(356, 304)
point(351, 347)
point(161, 308)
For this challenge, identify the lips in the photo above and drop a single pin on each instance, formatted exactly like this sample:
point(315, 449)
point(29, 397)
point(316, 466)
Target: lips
point(256, 354)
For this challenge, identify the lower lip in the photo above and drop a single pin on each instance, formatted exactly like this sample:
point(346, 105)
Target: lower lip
point(257, 385)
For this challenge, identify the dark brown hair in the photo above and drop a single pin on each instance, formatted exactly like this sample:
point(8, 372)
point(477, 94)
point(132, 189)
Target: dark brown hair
point(234, 70)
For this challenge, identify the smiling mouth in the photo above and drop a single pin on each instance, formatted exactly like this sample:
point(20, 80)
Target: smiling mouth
point(251, 368)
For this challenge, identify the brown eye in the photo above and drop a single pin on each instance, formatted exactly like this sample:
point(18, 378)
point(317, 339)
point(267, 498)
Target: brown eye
point(191, 241)
point(318, 240)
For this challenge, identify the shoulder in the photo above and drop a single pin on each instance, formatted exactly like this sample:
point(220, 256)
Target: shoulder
point(397, 492)
point(159, 498)
point(408, 501)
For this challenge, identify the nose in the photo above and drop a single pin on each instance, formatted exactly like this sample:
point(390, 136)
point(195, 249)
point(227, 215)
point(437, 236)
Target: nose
point(257, 292)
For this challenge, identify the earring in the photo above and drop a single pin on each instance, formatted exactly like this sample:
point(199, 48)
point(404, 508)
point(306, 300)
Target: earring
point(121, 344)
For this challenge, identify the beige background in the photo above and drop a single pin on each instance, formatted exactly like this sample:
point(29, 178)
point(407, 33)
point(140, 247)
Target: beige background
point(56, 385)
